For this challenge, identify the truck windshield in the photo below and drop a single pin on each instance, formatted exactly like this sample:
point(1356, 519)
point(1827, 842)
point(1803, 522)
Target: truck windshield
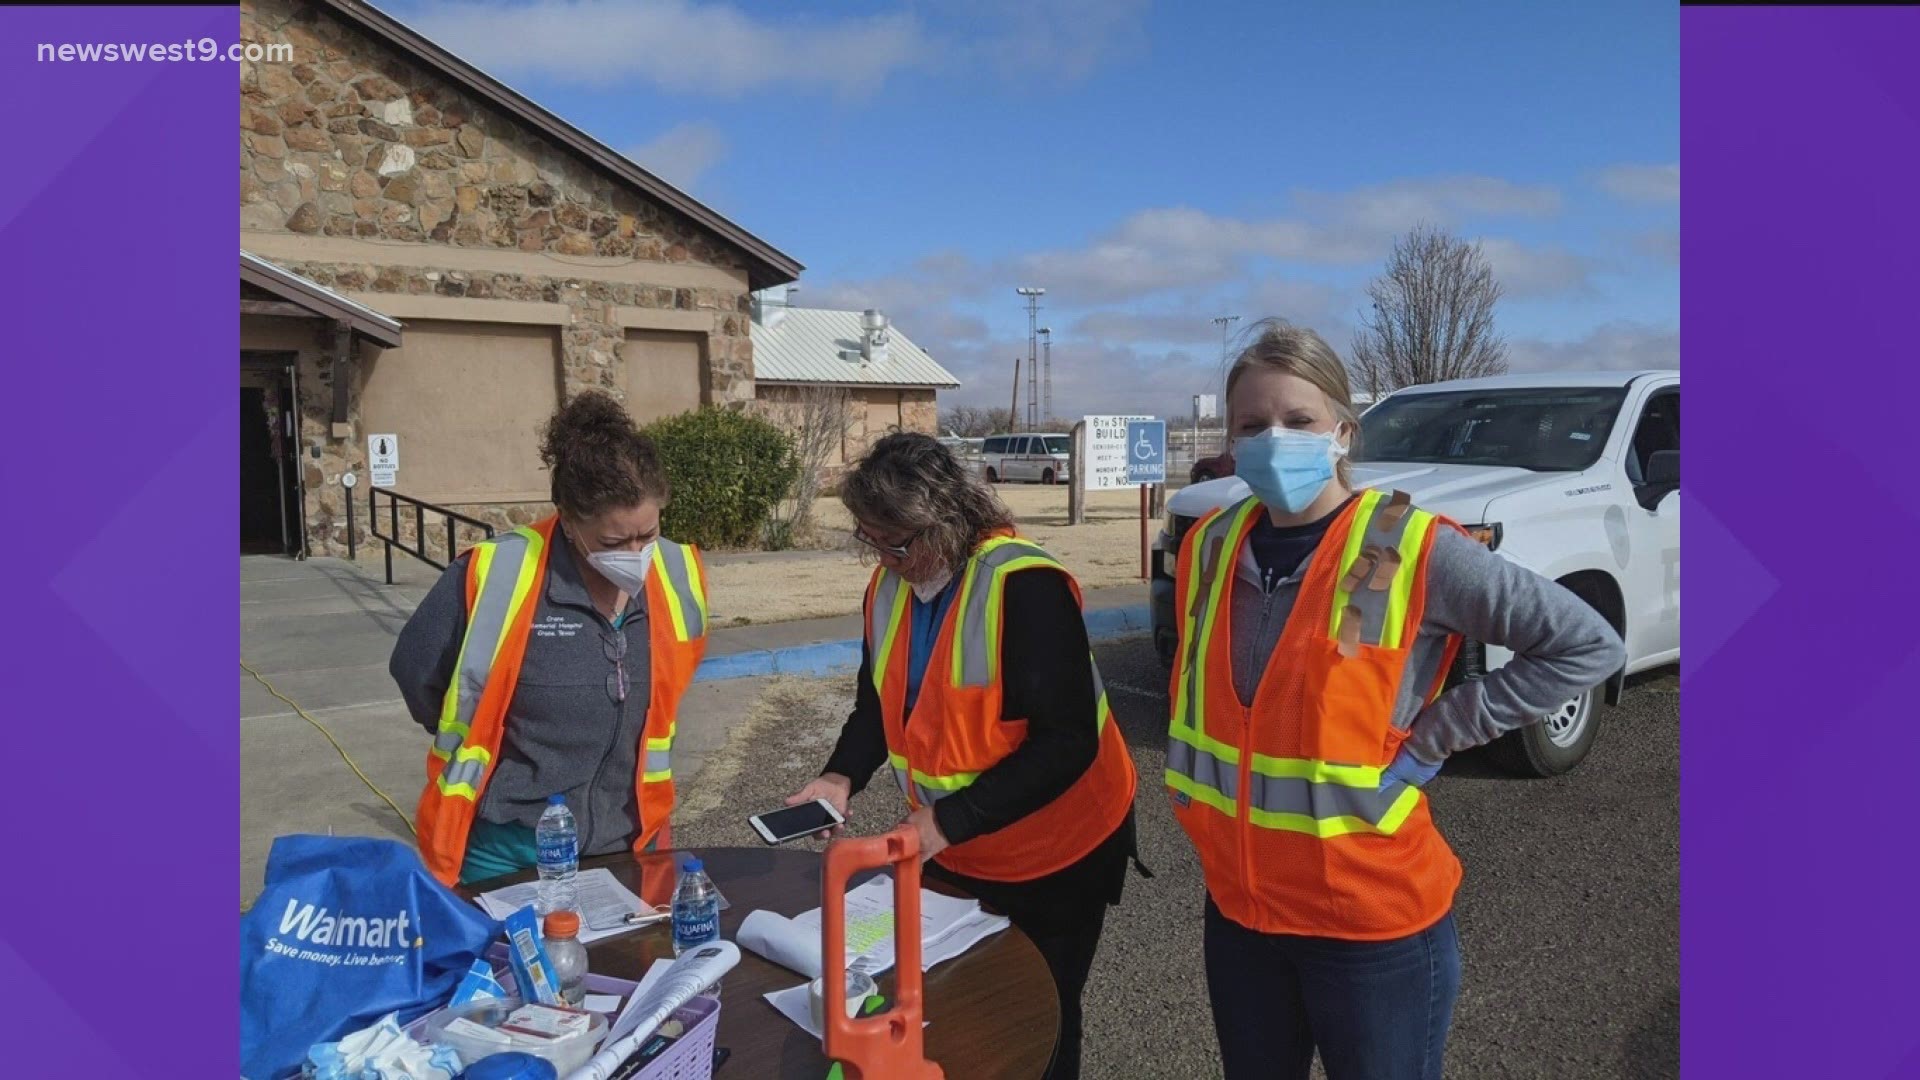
point(1545, 429)
point(1057, 444)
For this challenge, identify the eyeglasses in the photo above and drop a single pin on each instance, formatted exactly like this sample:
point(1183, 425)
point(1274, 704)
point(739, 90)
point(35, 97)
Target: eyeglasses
point(614, 645)
point(899, 552)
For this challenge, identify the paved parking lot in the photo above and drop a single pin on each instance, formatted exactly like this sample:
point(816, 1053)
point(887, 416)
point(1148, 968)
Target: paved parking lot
point(1569, 917)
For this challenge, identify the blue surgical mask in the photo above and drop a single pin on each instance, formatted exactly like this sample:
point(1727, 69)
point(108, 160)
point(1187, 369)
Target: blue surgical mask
point(1287, 469)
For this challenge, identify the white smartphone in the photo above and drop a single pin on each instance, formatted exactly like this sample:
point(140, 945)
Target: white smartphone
point(780, 826)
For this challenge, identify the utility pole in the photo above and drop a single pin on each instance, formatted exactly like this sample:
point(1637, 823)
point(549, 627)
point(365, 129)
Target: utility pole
point(1033, 293)
point(1225, 323)
point(1013, 407)
point(1046, 374)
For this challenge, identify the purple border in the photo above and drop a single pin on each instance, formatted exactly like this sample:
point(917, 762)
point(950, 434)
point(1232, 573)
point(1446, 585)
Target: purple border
point(1800, 875)
point(117, 225)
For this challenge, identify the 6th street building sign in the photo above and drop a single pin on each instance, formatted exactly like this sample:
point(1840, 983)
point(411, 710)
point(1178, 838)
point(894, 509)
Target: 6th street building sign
point(1107, 452)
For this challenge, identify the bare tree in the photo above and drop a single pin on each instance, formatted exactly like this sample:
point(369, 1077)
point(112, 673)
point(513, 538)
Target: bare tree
point(1432, 317)
point(972, 422)
point(818, 417)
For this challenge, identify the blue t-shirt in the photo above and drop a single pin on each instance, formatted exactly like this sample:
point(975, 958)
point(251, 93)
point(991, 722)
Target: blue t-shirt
point(924, 621)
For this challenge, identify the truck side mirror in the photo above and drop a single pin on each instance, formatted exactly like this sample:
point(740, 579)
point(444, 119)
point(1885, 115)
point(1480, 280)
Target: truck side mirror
point(1663, 469)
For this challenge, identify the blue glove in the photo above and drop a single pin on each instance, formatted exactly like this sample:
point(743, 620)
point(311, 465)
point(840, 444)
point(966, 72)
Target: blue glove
point(1407, 769)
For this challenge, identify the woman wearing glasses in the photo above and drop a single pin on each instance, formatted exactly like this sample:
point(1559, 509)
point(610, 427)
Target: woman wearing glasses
point(549, 661)
point(978, 688)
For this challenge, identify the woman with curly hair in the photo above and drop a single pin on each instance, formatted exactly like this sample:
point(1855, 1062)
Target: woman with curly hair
point(978, 687)
point(548, 663)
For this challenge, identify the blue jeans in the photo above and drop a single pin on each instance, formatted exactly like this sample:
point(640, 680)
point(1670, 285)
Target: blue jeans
point(1376, 1010)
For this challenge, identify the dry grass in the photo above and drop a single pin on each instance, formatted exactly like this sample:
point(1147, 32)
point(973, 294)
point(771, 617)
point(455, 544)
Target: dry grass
point(1103, 552)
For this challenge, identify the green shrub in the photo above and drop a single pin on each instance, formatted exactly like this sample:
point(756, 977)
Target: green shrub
point(728, 470)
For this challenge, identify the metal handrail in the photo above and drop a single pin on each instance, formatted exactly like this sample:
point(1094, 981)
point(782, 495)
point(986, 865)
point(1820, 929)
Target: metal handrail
point(421, 508)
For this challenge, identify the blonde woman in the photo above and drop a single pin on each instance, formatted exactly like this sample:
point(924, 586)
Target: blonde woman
point(1318, 623)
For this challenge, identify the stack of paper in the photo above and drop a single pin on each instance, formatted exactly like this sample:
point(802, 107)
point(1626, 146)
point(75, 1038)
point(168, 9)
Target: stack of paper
point(948, 927)
point(604, 903)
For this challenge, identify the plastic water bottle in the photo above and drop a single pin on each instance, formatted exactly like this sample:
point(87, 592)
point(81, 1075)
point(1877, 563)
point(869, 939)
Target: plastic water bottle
point(696, 908)
point(561, 936)
point(558, 840)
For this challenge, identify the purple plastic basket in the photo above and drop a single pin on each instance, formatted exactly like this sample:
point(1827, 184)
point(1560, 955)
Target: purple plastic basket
point(691, 1055)
point(689, 1058)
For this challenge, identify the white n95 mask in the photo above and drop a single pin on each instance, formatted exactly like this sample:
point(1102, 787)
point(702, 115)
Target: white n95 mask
point(627, 570)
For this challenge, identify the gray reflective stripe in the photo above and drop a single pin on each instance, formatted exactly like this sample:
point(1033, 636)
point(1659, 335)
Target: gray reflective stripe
point(929, 796)
point(464, 771)
point(886, 593)
point(983, 575)
point(1203, 768)
point(678, 563)
point(1294, 795)
point(1099, 684)
point(1380, 538)
point(486, 626)
point(659, 761)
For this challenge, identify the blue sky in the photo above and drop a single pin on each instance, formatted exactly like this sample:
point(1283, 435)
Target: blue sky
point(1151, 164)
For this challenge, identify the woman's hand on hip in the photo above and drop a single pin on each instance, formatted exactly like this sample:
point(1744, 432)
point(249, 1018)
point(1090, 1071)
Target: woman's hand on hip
point(834, 788)
point(932, 840)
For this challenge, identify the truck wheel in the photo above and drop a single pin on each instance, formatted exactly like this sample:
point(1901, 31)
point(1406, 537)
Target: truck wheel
point(992, 476)
point(1047, 477)
point(1559, 741)
point(1554, 745)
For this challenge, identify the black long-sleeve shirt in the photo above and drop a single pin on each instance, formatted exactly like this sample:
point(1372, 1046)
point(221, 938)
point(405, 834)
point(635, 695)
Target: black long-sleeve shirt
point(1046, 680)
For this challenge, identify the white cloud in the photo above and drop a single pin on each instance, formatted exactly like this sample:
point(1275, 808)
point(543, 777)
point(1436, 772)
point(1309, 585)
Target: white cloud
point(1616, 346)
point(1385, 209)
point(676, 45)
point(1045, 41)
point(681, 155)
point(1524, 271)
point(1642, 183)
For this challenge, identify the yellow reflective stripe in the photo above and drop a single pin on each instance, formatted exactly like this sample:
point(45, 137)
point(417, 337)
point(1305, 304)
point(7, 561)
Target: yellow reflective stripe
point(1402, 806)
point(1200, 793)
point(951, 782)
point(1356, 539)
point(996, 626)
point(1319, 772)
point(1412, 538)
point(1324, 828)
point(450, 702)
point(1217, 603)
point(675, 612)
point(1199, 740)
point(463, 789)
point(696, 581)
point(1182, 709)
point(895, 621)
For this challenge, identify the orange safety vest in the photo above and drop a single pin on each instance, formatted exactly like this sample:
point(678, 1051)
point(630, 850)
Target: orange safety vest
point(1283, 798)
point(957, 732)
point(505, 580)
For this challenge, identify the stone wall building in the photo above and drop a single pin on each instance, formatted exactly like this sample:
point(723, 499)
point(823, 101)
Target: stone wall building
point(887, 383)
point(517, 261)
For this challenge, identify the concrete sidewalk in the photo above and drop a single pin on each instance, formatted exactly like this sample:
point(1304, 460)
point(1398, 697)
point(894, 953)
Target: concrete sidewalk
point(321, 631)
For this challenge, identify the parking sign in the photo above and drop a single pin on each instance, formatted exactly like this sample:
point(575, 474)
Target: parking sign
point(1146, 452)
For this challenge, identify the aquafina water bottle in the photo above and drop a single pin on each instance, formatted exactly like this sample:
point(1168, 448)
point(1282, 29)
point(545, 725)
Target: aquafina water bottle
point(557, 839)
point(696, 908)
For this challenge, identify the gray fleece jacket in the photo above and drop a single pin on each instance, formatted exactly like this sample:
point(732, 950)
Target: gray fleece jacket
point(565, 733)
point(1560, 645)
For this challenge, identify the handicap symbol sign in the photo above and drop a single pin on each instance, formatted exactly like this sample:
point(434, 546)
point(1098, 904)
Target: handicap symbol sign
point(1146, 451)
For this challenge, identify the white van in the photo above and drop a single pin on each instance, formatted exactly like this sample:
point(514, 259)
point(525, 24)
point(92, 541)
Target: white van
point(1037, 457)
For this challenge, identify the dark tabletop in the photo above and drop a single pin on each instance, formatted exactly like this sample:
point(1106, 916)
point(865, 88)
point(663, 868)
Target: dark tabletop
point(992, 1012)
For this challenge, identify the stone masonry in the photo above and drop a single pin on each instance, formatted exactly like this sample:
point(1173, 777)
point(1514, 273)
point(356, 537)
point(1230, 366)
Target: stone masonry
point(354, 139)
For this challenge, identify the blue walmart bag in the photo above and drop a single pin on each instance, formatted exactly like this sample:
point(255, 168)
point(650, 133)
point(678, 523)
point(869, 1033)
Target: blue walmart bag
point(348, 930)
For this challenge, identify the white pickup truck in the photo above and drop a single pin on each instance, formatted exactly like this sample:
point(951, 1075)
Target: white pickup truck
point(1574, 476)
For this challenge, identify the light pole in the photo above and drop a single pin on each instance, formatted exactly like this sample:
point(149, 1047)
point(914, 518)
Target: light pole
point(1033, 293)
point(1046, 374)
point(1225, 323)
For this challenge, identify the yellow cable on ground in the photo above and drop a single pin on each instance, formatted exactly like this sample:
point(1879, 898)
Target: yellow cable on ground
point(344, 756)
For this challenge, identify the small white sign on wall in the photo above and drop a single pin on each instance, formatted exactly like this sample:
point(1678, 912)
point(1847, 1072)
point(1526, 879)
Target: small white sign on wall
point(383, 459)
